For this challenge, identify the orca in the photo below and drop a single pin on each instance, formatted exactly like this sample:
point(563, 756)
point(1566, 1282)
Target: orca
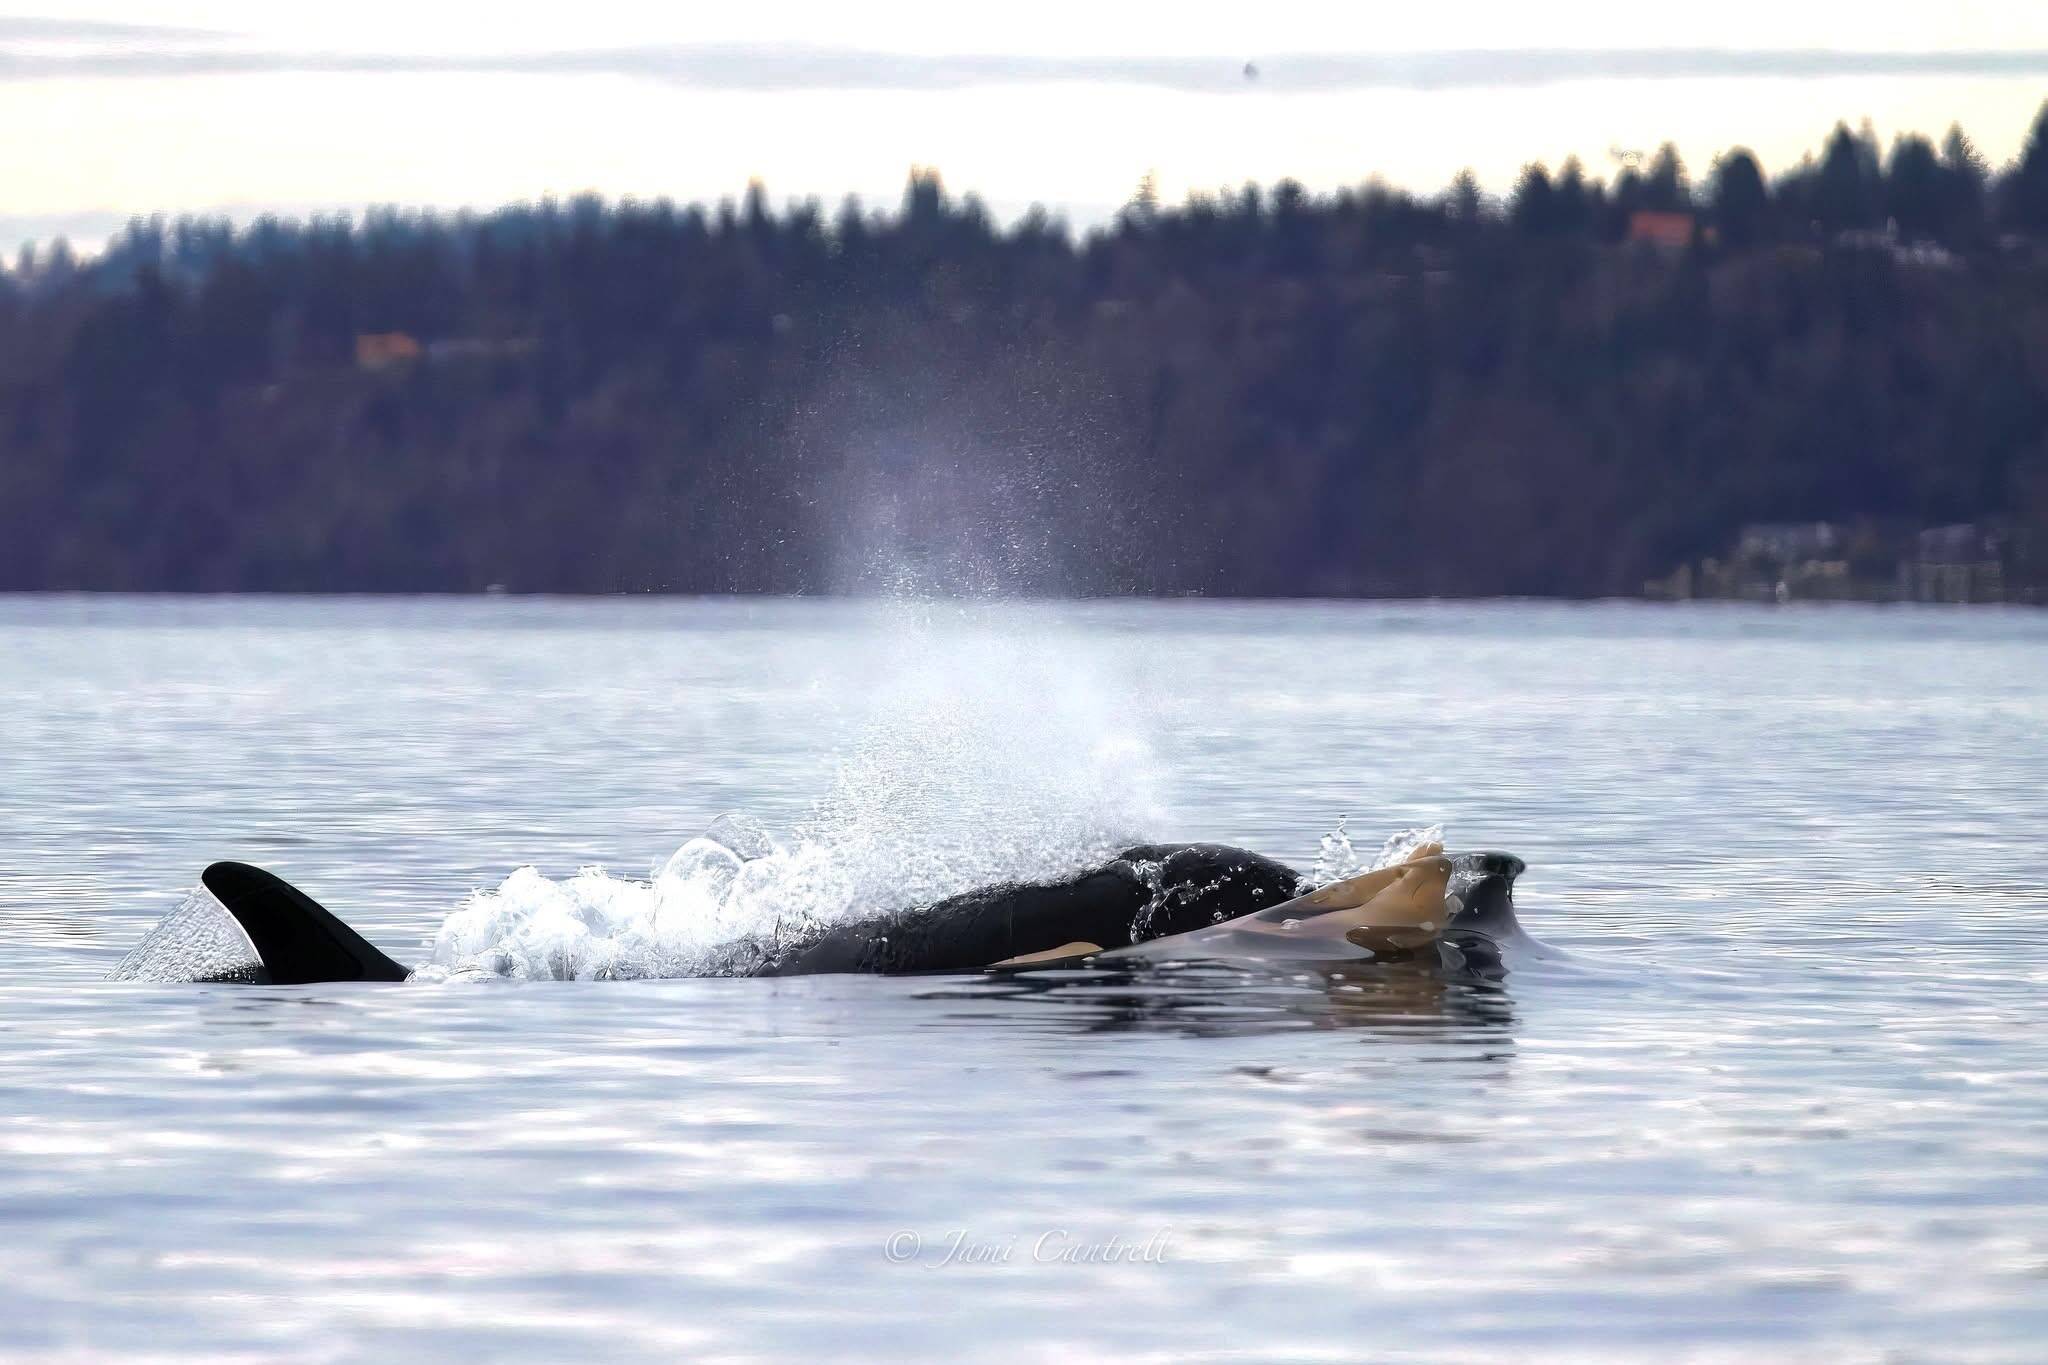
point(1156, 901)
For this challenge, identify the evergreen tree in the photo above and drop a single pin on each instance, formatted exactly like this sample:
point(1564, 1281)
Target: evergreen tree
point(1532, 208)
point(2026, 189)
point(1576, 202)
point(1965, 176)
point(1741, 202)
point(1667, 188)
point(1466, 203)
point(1915, 192)
point(1846, 193)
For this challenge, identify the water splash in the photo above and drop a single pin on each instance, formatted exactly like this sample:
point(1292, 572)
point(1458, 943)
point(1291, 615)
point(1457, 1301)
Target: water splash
point(197, 940)
point(734, 898)
point(1337, 858)
point(989, 754)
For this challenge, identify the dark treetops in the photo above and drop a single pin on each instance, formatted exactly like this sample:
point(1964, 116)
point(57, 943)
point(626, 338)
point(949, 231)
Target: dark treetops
point(1253, 393)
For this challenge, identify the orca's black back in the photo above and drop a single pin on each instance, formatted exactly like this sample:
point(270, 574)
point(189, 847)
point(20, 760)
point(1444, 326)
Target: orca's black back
point(1195, 886)
point(1148, 892)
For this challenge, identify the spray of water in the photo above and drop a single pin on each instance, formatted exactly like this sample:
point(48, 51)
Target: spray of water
point(990, 754)
point(1336, 858)
point(197, 940)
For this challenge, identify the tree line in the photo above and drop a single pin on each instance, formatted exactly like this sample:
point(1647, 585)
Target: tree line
point(1261, 392)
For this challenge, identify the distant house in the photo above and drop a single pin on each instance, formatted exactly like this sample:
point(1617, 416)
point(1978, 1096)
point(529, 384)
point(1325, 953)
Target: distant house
point(1787, 542)
point(1868, 239)
point(459, 349)
point(1926, 256)
point(1783, 561)
point(1918, 254)
point(1787, 561)
point(1958, 563)
point(1671, 231)
point(2020, 246)
point(383, 350)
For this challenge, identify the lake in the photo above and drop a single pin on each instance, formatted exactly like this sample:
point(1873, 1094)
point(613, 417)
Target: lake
point(1782, 1087)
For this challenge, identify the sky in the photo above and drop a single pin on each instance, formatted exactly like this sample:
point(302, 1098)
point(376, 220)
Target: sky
point(232, 106)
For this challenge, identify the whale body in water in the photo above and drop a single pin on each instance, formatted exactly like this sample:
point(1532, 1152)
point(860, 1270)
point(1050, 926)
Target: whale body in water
point(1154, 901)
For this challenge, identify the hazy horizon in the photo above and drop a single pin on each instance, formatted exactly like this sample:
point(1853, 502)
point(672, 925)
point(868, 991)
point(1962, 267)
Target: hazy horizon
point(244, 110)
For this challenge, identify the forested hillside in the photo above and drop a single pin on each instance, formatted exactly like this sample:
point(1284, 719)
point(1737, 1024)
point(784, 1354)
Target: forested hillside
point(1255, 393)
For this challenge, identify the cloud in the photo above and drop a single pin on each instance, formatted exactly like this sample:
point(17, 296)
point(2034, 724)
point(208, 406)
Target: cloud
point(26, 30)
point(779, 68)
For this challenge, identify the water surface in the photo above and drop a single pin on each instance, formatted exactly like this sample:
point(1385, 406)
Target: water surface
point(1785, 1092)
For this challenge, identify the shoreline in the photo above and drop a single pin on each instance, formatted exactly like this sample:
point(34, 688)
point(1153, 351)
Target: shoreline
point(974, 599)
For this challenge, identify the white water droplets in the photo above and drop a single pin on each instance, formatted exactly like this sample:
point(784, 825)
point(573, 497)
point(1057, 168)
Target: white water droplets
point(1337, 858)
point(196, 941)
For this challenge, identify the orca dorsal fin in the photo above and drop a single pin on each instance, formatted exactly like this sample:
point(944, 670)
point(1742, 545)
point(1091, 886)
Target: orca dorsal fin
point(297, 938)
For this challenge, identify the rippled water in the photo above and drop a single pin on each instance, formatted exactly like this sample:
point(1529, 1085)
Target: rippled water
point(1784, 1092)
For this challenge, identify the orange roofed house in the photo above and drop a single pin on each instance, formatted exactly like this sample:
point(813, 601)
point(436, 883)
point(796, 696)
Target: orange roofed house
point(382, 350)
point(1671, 230)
